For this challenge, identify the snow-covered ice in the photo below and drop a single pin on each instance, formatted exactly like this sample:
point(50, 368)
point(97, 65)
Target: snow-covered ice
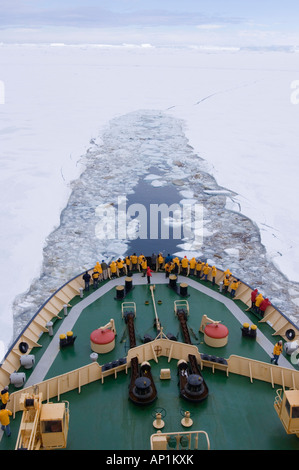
point(239, 123)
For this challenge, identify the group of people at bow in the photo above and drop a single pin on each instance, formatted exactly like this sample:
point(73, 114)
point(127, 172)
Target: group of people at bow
point(157, 263)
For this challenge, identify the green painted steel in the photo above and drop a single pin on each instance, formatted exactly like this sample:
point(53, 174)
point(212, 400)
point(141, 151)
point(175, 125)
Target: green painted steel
point(237, 415)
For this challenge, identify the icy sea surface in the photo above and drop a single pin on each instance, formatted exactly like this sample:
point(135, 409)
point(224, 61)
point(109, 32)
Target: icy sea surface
point(142, 158)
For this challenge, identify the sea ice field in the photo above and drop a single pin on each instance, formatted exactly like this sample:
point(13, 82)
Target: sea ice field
point(83, 127)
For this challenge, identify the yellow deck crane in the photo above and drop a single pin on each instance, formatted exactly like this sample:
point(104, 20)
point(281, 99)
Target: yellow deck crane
point(43, 426)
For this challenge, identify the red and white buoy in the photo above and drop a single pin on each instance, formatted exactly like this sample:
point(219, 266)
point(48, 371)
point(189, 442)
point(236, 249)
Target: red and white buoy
point(216, 335)
point(102, 340)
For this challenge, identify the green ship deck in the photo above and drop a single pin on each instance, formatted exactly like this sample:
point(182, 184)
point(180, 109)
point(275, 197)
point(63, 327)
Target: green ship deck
point(238, 413)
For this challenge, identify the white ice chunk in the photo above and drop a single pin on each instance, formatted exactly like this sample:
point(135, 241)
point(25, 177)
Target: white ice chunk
point(232, 252)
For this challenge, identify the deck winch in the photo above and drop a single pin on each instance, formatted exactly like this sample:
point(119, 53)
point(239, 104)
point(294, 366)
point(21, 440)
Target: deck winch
point(194, 385)
point(142, 388)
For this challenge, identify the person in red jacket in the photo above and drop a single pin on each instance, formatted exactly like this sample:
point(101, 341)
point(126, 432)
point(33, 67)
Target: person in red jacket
point(149, 274)
point(253, 297)
point(264, 304)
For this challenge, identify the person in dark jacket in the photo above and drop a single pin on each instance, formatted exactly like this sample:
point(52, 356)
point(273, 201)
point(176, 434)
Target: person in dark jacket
point(154, 262)
point(86, 278)
point(4, 397)
point(104, 269)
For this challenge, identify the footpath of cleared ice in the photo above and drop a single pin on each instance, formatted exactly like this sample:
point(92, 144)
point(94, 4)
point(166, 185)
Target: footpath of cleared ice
point(150, 147)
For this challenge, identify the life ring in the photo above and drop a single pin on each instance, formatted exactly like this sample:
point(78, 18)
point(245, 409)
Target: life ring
point(23, 347)
point(290, 334)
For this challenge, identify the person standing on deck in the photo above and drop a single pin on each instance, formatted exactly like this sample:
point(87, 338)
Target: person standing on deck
point(214, 274)
point(154, 262)
point(234, 286)
point(192, 266)
point(144, 266)
point(95, 277)
point(134, 260)
point(104, 269)
point(86, 277)
point(227, 273)
point(226, 283)
point(199, 266)
point(206, 271)
point(258, 302)
point(167, 268)
point(160, 261)
point(128, 264)
point(254, 294)
point(98, 267)
point(4, 397)
point(5, 421)
point(120, 266)
point(140, 259)
point(176, 263)
point(149, 274)
point(185, 264)
point(263, 306)
point(168, 258)
point(276, 352)
point(113, 269)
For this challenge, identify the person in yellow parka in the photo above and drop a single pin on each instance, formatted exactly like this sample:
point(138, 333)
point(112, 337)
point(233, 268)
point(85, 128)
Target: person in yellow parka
point(120, 266)
point(113, 269)
point(226, 283)
point(140, 259)
point(95, 277)
point(233, 287)
point(214, 274)
point(144, 266)
point(206, 271)
point(134, 260)
point(227, 273)
point(185, 264)
point(4, 397)
point(99, 269)
point(199, 266)
point(160, 261)
point(276, 352)
point(192, 266)
point(5, 421)
point(128, 263)
point(167, 268)
point(258, 302)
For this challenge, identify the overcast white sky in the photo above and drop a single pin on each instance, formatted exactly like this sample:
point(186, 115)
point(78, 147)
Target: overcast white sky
point(221, 22)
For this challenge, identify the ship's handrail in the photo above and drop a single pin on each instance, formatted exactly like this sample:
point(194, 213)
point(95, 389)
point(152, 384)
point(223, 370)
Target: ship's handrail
point(37, 325)
point(251, 368)
point(41, 308)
